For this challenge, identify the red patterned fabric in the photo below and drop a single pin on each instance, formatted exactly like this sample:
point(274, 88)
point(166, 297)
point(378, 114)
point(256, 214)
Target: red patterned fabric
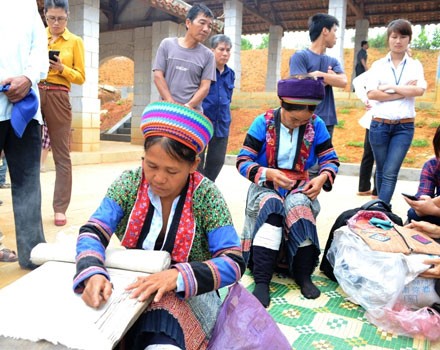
point(298, 172)
point(185, 231)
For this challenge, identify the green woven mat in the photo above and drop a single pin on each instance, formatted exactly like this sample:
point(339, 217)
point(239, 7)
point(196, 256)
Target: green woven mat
point(328, 322)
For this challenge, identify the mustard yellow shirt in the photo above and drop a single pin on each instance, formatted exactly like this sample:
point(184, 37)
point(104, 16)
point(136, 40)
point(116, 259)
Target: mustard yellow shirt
point(71, 49)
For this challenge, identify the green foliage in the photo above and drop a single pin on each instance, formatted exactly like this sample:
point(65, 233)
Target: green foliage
point(421, 42)
point(343, 159)
point(246, 44)
point(264, 43)
point(345, 111)
point(379, 41)
point(409, 160)
point(419, 143)
point(435, 43)
point(340, 124)
point(355, 143)
point(434, 125)
point(234, 152)
point(419, 123)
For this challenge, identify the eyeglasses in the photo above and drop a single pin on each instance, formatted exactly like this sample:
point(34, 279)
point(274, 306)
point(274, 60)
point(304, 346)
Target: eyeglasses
point(53, 19)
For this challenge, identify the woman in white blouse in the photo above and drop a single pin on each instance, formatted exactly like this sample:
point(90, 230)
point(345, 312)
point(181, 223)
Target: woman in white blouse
point(393, 81)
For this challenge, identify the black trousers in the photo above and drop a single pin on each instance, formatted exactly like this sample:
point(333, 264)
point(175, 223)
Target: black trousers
point(366, 167)
point(23, 157)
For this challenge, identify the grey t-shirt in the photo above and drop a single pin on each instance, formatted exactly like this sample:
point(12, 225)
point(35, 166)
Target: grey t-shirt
point(184, 69)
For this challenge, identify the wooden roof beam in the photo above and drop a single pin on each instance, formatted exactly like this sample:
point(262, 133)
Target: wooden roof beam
point(358, 11)
point(257, 14)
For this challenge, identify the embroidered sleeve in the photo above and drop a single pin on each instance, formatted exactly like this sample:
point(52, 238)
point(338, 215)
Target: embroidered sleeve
point(327, 159)
point(95, 235)
point(225, 265)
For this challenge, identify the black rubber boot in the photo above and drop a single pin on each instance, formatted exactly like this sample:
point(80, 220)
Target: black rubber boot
point(304, 263)
point(264, 260)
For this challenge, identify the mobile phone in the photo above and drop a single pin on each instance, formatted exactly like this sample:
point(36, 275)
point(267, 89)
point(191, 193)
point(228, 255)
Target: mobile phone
point(53, 53)
point(410, 196)
point(421, 239)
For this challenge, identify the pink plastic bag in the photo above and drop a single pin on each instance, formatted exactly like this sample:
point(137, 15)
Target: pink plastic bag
point(402, 320)
point(244, 324)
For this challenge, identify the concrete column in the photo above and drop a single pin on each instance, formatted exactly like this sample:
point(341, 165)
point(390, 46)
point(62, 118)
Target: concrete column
point(84, 22)
point(146, 43)
point(338, 8)
point(274, 57)
point(233, 28)
point(361, 33)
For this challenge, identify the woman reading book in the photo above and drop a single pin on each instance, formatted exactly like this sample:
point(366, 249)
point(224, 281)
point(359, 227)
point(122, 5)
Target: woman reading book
point(166, 205)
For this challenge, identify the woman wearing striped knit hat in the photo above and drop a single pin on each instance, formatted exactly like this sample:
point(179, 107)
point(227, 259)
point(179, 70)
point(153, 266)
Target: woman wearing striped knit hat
point(166, 205)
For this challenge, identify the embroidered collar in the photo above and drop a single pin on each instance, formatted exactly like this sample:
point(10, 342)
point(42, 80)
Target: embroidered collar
point(181, 232)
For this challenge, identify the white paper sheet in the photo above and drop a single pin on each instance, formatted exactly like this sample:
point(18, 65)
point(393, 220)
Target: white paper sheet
point(42, 306)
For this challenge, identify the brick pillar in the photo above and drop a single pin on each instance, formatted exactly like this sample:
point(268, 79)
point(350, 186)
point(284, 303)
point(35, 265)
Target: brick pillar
point(233, 29)
point(274, 57)
point(338, 8)
point(84, 22)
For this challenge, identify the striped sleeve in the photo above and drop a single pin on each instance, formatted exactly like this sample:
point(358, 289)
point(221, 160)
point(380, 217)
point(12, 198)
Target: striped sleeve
point(327, 158)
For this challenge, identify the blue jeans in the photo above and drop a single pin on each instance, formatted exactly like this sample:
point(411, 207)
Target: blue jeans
point(390, 144)
point(3, 169)
point(23, 157)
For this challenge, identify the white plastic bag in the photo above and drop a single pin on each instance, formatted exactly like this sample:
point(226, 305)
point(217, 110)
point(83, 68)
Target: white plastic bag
point(372, 279)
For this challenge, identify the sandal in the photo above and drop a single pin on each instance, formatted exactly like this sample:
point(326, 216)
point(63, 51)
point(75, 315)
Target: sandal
point(8, 255)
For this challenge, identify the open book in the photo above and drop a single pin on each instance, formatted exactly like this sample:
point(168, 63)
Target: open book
point(42, 305)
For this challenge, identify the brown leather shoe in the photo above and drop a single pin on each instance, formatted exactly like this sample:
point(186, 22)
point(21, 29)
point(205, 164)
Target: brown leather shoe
point(365, 193)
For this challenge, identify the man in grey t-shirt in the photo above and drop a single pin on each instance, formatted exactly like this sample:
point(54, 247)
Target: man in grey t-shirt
point(184, 68)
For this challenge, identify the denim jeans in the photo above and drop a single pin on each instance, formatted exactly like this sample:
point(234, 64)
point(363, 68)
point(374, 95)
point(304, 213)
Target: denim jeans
point(212, 163)
point(3, 169)
point(23, 156)
point(390, 144)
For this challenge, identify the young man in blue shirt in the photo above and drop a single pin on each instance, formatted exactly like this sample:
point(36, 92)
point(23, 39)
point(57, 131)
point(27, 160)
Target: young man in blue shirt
point(216, 106)
point(314, 61)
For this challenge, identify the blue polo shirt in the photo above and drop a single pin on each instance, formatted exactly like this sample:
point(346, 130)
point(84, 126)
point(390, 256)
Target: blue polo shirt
point(216, 106)
point(306, 61)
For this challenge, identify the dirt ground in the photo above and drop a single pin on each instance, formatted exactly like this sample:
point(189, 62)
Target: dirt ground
point(348, 136)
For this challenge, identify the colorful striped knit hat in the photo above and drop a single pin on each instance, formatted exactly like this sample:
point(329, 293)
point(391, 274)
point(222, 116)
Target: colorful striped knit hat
point(177, 122)
point(301, 90)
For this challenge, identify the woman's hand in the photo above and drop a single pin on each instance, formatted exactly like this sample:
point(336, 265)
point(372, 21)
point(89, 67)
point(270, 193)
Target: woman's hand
point(279, 179)
point(56, 65)
point(98, 290)
point(434, 271)
point(159, 283)
point(424, 206)
point(429, 229)
point(314, 187)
